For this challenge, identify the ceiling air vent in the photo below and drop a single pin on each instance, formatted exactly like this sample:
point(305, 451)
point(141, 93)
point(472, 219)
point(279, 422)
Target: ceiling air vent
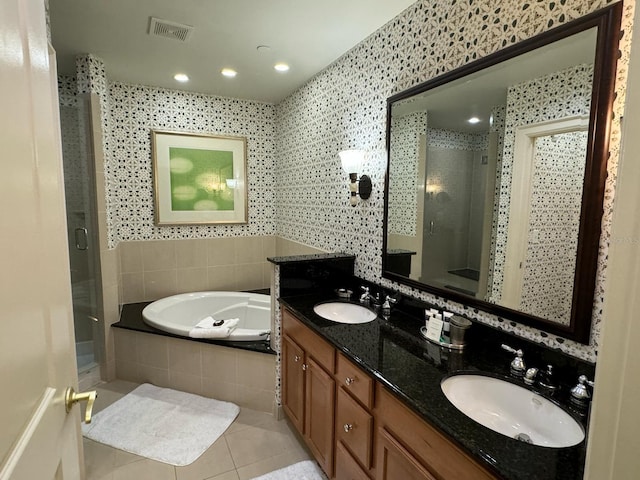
point(168, 29)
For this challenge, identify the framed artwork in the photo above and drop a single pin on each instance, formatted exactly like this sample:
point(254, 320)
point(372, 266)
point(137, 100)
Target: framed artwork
point(199, 179)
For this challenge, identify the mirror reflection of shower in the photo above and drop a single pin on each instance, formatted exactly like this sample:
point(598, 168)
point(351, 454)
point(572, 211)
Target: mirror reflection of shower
point(459, 188)
point(77, 154)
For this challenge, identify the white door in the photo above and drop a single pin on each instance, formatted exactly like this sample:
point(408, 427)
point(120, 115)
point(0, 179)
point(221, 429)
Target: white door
point(38, 439)
point(526, 235)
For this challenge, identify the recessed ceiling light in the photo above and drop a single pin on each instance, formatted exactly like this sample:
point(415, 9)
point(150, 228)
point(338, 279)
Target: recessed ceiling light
point(229, 72)
point(181, 77)
point(474, 120)
point(281, 67)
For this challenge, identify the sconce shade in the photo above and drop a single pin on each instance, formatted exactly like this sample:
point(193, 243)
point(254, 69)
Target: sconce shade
point(351, 160)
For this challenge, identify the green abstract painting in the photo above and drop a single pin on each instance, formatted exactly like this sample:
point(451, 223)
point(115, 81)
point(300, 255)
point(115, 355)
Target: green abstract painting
point(199, 179)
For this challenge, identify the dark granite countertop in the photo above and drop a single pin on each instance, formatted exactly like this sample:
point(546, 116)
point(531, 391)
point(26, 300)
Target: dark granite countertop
point(313, 257)
point(131, 319)
point(393, 353)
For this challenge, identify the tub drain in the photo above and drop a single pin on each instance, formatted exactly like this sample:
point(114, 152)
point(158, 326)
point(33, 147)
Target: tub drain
point(523, 437)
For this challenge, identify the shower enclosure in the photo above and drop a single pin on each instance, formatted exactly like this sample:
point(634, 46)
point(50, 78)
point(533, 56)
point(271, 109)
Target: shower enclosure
point(77, 154)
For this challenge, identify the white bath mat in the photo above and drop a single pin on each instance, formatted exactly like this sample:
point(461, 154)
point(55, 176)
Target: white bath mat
point(162, 424)
point(307, 470)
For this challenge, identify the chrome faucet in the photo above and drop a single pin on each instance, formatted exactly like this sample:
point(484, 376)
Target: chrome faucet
point(367, 299)
point(517, 366)
point(580, 395)
point(547, 380)
point(386, 306)
point(530, 376)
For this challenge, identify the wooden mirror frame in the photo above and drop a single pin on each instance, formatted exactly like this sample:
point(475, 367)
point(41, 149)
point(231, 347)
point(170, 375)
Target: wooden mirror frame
point(607, 21)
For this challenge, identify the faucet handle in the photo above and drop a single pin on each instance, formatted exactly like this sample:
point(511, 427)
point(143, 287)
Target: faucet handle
point(517, 365)
point(364, 298)
point(580, 395)
point(530, 376)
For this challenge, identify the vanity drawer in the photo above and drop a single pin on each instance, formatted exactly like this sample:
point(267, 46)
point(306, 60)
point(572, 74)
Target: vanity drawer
point(355, 381)
point(346, 467)
point(428, 445)
point(354, 428)
point(310, 342)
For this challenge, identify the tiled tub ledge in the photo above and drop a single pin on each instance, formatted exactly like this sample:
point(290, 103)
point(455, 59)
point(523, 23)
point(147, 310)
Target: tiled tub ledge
point(240, 372)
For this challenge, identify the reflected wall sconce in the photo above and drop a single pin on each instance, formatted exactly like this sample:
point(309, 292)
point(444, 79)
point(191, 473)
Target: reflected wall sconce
point(352, 162)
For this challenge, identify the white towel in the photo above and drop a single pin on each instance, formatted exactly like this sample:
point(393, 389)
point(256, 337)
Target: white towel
point(205, 328)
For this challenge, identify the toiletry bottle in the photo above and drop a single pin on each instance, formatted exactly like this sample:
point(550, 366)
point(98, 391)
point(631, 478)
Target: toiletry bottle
point(438, 317)
point(427, 316)
point(446, 318)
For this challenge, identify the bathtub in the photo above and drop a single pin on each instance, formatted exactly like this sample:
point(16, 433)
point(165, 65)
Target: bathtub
point(178, 314)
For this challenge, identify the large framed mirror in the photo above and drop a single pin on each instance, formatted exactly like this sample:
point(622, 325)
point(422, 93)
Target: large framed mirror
point(496, 173)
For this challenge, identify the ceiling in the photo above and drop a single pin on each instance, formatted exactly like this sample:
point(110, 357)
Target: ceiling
point(452, 104)
point(306, 34)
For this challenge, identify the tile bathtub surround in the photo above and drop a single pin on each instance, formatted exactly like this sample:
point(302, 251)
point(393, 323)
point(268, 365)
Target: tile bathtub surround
point(155, 269)
point(344, 106)
point(242, 377)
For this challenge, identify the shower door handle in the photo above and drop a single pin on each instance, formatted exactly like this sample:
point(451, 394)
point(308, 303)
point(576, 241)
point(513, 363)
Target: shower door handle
point(431, 227)
point(82, 238)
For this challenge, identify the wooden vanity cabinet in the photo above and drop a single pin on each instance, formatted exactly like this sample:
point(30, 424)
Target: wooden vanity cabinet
point(293, 382)
point(346, 416)
point(346, 467)
point(401, 434)
point(308, 387)
point(354, 420)
point(395, 461)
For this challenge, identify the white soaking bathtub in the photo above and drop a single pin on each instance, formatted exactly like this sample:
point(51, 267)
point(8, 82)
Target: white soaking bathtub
point(178, 314)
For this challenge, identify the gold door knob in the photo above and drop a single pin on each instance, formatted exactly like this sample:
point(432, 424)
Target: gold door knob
point(71, 398)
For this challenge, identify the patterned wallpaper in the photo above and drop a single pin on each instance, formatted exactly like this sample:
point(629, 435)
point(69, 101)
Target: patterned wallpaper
point(451, 140)
point(345, 107)
point(563, 94)
point(558, 172)
point(135, 110)
point(405, 145)
point(302, 193)
point(74, 168)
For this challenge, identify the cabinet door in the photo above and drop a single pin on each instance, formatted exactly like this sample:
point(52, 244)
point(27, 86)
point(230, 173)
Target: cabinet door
point(394, 462)
point(319, 414)
point(293, 382)
point(354, 428)
point(346, 467)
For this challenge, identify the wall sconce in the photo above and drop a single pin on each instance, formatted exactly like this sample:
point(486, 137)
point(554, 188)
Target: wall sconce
point(351, 163)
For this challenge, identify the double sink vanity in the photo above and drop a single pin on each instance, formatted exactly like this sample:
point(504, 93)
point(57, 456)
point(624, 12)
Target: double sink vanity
point(373, 399)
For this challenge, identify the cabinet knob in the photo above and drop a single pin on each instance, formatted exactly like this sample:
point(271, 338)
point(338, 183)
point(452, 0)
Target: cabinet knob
point(304, 366)
point(296, 359)
point(349, 380)
point(347, 427)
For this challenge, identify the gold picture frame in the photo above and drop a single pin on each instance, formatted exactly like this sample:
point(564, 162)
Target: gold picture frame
point(199, 179)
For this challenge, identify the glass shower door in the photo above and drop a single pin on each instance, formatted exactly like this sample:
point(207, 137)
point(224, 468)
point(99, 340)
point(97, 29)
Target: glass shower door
point(77, 153)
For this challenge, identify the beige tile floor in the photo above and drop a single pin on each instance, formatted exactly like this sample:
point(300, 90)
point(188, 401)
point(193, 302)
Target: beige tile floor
point(256, 443)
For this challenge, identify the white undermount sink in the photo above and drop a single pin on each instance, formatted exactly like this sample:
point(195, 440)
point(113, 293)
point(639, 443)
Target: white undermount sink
point(512, 410)
point(343, 312)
